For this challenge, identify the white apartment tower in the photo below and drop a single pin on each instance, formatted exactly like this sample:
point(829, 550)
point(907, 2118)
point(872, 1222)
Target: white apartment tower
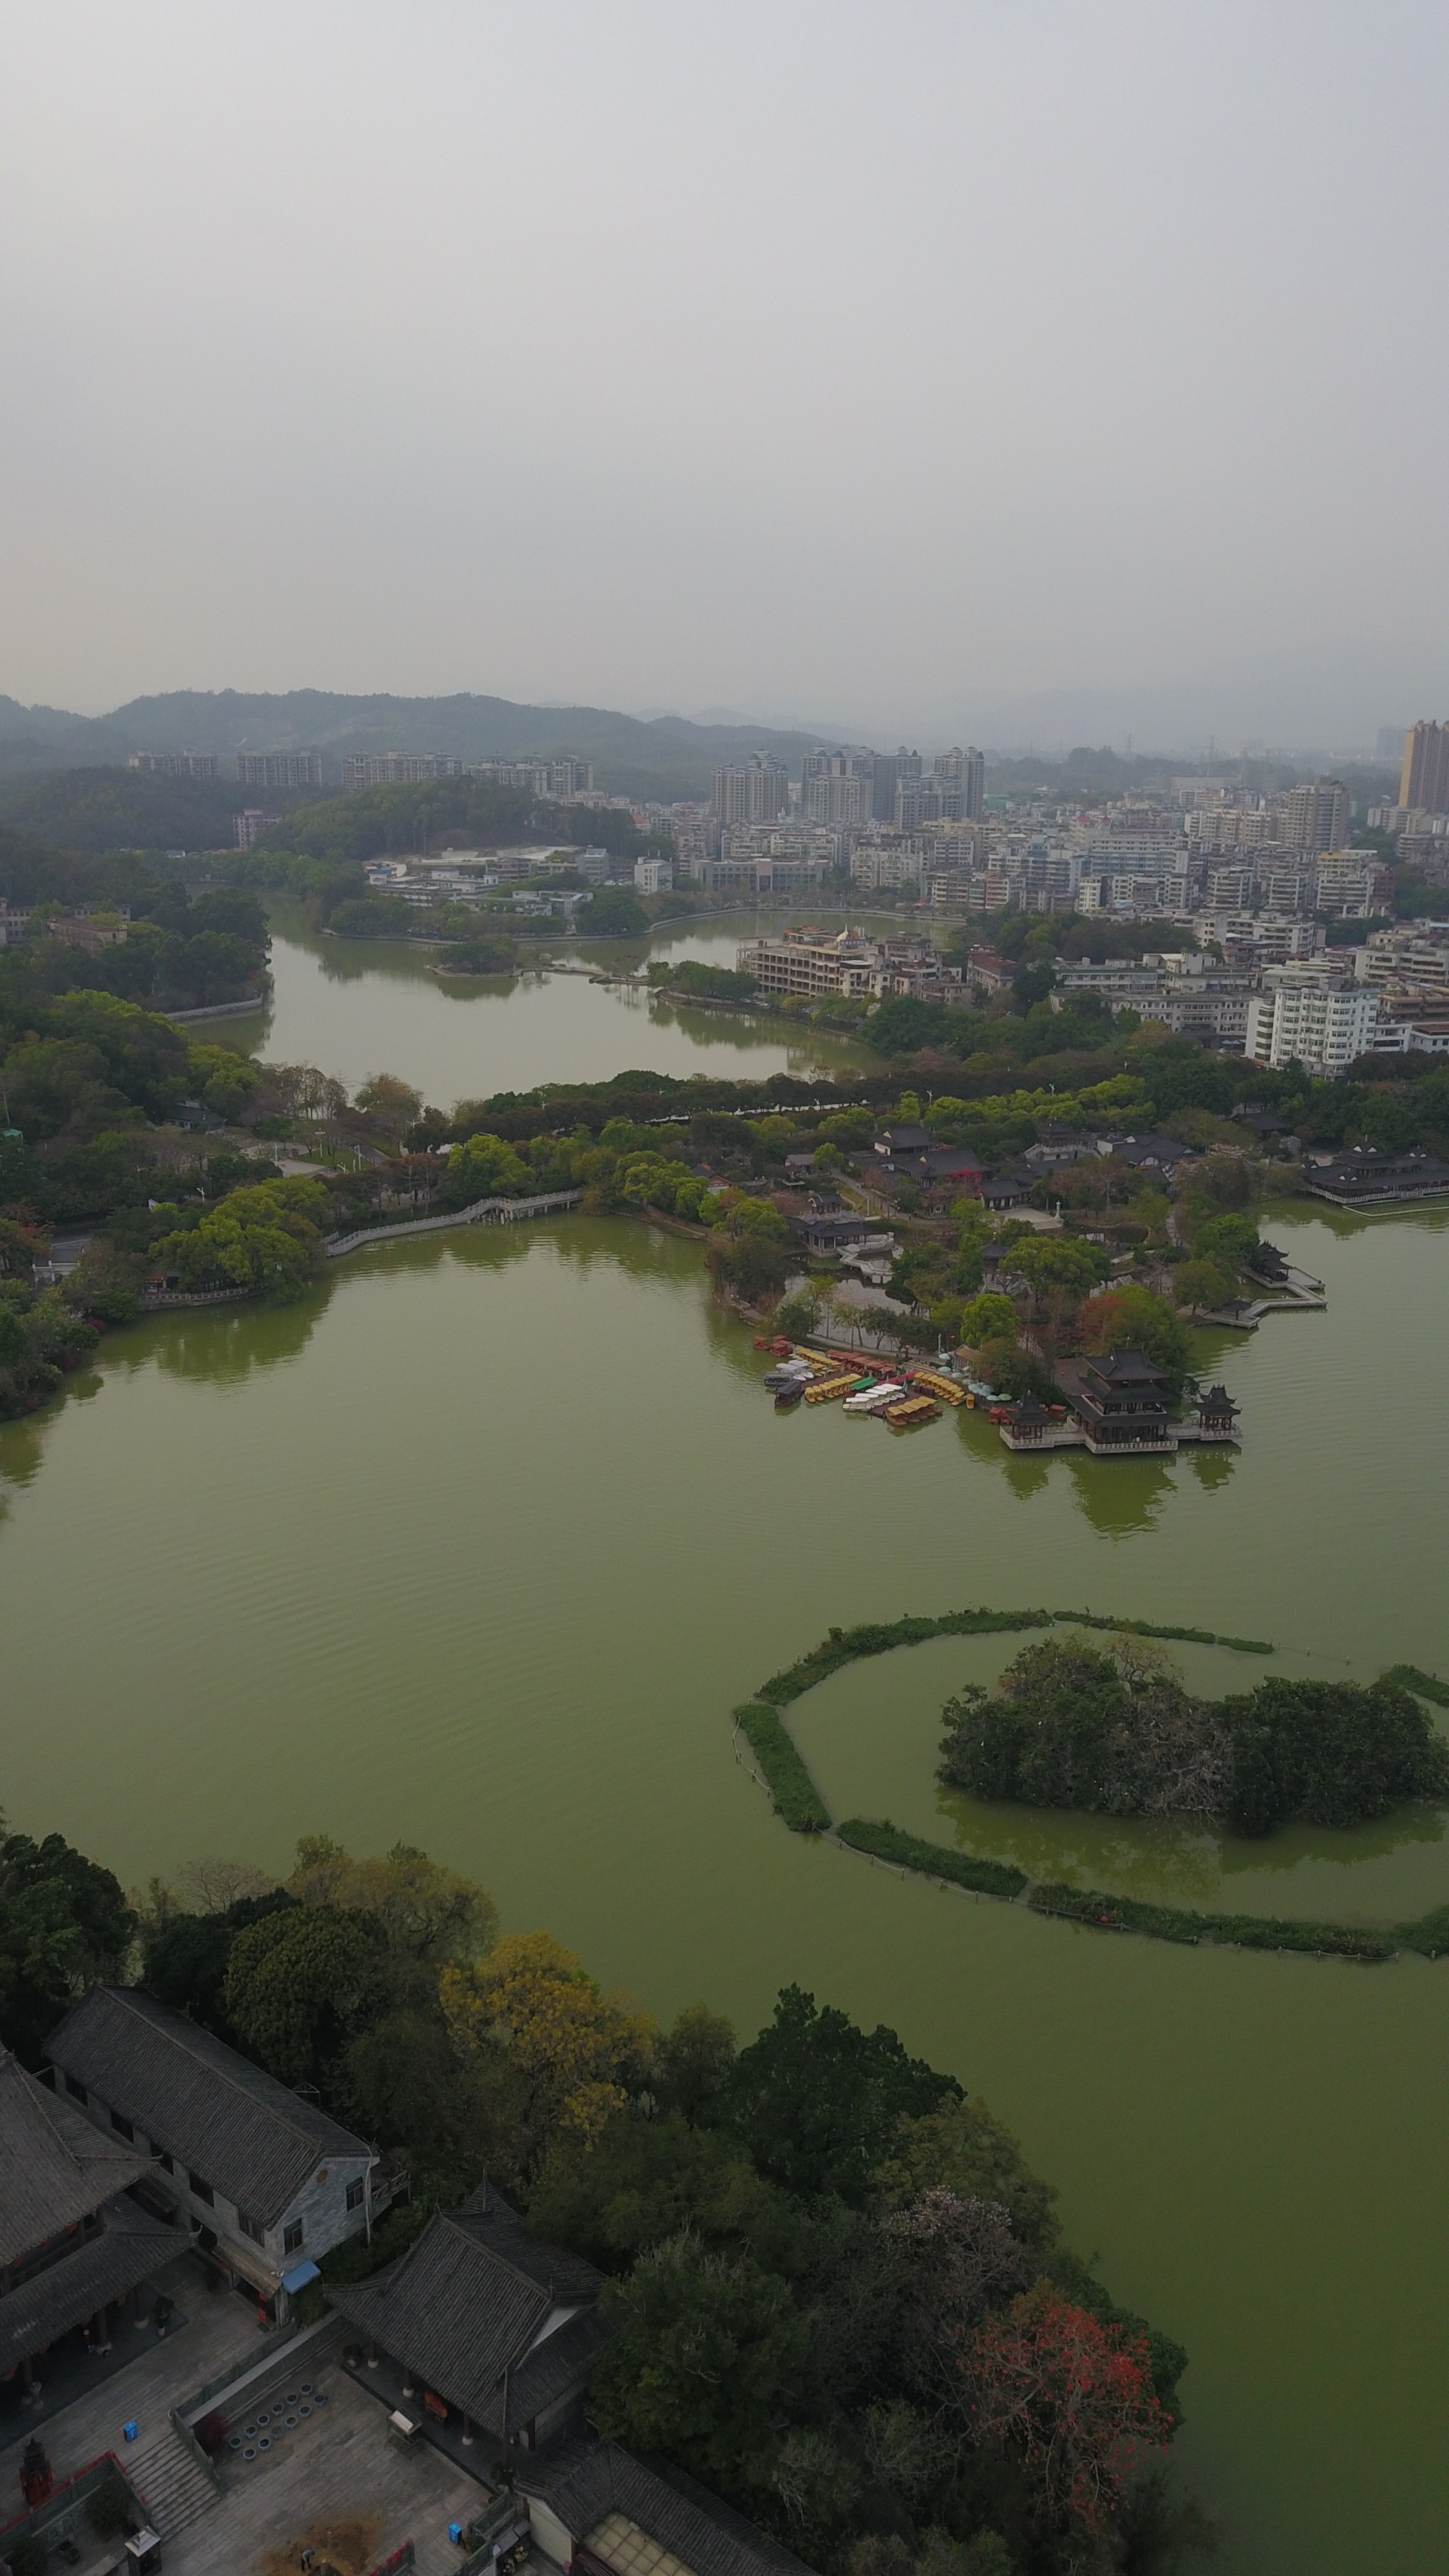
point(1303, 1019)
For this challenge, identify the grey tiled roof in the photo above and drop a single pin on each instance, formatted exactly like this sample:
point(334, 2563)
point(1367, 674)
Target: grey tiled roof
point(131, 2245)
point(55, 2167)
point(211, 2109)
point(584, 2482)
point(464, 2305)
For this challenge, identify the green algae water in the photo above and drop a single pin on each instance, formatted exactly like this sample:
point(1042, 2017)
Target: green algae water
point(479, 1545)
point(360, 1006)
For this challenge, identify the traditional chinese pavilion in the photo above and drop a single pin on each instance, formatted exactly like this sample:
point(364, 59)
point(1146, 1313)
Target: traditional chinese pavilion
point(1120, 1401)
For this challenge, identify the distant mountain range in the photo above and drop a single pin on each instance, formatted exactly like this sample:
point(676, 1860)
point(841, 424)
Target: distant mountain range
point(1311, 701)
point(667, 757)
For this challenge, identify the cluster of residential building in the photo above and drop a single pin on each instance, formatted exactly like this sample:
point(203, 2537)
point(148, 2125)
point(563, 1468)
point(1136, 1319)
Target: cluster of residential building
point(1322, 1007)
point(897, 823)
point(1284, 1003)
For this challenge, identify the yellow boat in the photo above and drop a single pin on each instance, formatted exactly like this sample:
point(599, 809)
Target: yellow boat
point(917, 1408)
point(825, 1389)
point(935, 1384)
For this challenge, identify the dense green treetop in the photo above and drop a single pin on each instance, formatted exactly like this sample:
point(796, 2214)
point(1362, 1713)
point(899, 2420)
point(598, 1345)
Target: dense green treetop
point(817, 2101)
point(1118, 1732)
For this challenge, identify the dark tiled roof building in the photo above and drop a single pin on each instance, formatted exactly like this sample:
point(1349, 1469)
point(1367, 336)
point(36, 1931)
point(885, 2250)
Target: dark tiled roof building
point(71, 2241)
point(499, 2327)
point(603, 2512)
point(264, 2181)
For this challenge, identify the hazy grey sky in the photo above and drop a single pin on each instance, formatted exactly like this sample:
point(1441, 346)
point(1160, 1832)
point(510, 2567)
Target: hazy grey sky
point(828, 356)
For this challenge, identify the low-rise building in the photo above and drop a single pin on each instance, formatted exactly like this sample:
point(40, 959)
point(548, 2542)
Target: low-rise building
point(653, 876)
point(73, 2243)
point(824, 1232)
point(494, 2329)
point(1151, 1153)
point(90, 930)
point(263, 2181)
point(1368, 1178)
point(810, 963)
point(990, 973)
point(597, 2510)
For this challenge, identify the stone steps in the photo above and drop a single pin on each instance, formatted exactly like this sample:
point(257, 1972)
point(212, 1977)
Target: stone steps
point(176, 2488)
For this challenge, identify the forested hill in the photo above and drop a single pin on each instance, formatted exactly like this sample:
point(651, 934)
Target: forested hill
point(667, 757)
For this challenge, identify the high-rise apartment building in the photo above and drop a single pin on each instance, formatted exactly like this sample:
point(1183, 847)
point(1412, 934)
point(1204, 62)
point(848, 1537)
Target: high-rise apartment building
point(174, 764)
point(756, 793)
point(279, 768)
point(250, 826)
point(563, 778)
point(1316, 817)
point(1424, 782)
point(884, 772)
point(961, 781)
point(398, 768)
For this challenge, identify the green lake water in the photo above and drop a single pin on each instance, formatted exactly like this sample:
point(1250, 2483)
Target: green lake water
point(357, 1007)
point(478, 1545)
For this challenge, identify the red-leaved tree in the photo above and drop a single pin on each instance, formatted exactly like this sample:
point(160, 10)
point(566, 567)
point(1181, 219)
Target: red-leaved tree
point(1068, 2398)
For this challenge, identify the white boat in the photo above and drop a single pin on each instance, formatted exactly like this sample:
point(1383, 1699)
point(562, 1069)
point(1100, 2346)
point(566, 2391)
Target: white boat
point(872, 1398)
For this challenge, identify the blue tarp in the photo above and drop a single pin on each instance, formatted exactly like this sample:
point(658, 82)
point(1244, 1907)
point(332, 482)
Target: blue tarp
point(298, 2278)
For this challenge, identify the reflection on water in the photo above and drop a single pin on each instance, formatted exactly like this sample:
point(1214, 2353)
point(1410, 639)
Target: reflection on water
point(357, 1006)
point(1120, 1496)
point(1213, 1468)
point(1179, 1860)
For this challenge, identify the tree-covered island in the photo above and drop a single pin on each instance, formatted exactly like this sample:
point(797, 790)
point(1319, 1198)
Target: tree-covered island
point(1116, 1732)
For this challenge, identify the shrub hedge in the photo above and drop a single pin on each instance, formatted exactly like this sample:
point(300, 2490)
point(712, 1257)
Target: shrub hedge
point(795, 1795)
point(1427, 1685)
point(1151, 1628)
point(879, 1637)
point(1174, 1923)
point(887, 1842)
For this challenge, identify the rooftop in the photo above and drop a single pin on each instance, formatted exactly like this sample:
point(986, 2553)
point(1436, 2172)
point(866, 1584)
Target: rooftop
point(56, 2167)
point(644, 2517)
point(495, 2322)
point(207, 2106)
point(1126, 1368)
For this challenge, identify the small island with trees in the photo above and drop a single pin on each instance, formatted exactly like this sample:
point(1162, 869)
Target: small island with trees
point(1117, 1733)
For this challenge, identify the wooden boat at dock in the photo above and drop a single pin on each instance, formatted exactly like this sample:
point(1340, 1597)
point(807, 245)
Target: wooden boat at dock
point(874, 1398)
point(915, 1410)
point(934, 1383)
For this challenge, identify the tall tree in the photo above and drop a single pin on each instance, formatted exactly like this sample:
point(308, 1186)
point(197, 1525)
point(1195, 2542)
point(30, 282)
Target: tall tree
point(816, 2099)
